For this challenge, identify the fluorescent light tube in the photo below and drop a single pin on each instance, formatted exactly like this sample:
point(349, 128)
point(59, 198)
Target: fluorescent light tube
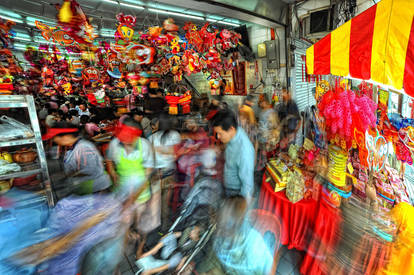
point(107, 35)
point(31, 21)
point(131, 6)
point(11, 18)
point(176, 13)
point(222, 22)
point(22, 38)
point(228, 23)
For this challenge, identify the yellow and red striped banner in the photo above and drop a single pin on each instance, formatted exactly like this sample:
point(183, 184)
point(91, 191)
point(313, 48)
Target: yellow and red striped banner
point(378, 44)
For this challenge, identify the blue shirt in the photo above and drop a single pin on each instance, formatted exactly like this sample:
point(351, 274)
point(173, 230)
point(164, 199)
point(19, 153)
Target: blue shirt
point(239, 166)
point(246, 253)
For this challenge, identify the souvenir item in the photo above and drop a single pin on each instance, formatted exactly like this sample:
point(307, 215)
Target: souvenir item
point(55, 34)
point(125, 27)
point(344, 111)
point(139, 54)
point(6, 32)
point(193, 36)
point(185, 101)
point(90, 74)
point(74, 21)
point(24, 156)
point(322, 87)
point(279, 173)
point(295, 188)
point(170, 26)
point(377, 147)
point(337, 165)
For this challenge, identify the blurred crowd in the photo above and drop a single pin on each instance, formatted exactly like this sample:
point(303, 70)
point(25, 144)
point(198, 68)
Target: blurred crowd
point(178, 190)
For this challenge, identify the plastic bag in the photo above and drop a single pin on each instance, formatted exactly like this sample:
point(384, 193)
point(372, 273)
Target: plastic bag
point(12, 129)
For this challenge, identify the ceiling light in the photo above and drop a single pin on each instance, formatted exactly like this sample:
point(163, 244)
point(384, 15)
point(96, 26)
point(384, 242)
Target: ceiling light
point(31, 21)
point(131, 6)
point(223, 22)
point(107, 34)
point(228, 23)
point(22, 38)
point(11, 18)
point(176, 13)
point(111, 1)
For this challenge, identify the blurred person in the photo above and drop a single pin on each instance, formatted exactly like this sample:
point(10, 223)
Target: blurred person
point(82, 163)
point(75, 117)
point(83, 110)
point(145, 123)
point(238, 246)
point(267, 137)
point(175, 249)
point(58, 245)
point(42, 114)
point(402, 250)
point(83, 120)
point(154, 103)
point(154, 125)
point(164, 140)
point(65, 107)
point(51, 118)
point(239, 156)
point(91, 127)
point(129, 162)
point(246, 112)
point(196, 133)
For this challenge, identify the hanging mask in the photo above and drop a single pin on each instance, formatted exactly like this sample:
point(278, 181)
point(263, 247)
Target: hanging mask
point(139, 54)
point(90, 74)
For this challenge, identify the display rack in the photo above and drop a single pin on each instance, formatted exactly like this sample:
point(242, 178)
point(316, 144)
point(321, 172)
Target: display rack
point(26, 101)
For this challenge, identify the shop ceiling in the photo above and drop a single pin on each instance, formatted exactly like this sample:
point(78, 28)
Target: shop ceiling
point(228, 13)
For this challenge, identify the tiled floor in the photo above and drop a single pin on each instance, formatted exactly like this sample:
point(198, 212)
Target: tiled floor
point(289, 263)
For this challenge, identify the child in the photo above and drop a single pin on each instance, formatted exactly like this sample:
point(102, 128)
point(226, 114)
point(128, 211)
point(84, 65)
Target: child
point(171, 256)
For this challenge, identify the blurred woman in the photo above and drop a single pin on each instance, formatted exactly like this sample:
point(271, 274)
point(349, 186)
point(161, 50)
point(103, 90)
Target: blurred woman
point(164, 140)
point(82, 163)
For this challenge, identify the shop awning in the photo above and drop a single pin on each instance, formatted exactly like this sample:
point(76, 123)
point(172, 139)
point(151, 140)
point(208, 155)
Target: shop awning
point(377, 45)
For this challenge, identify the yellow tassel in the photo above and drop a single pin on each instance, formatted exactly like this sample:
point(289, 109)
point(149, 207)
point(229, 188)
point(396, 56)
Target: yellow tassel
point(65, 13)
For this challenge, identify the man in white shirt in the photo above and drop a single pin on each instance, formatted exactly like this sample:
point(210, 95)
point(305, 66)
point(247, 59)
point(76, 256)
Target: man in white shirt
point(82, 110)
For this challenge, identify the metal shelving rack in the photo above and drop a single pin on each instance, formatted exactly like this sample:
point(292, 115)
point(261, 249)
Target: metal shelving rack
point(26, 101)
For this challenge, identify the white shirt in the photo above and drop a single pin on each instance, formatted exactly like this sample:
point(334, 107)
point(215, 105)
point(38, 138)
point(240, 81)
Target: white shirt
point(164, 160)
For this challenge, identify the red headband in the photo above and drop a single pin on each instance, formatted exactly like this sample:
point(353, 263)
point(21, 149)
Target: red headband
point(128, 134)
point(51, 132)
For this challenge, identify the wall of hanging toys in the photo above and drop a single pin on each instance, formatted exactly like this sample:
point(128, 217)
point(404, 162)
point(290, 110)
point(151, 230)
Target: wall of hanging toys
point(72, 60)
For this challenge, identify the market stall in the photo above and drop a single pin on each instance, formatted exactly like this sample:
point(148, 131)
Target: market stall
point(353, 150)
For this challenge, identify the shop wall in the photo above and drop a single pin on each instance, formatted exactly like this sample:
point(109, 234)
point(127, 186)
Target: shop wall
point(257, 69)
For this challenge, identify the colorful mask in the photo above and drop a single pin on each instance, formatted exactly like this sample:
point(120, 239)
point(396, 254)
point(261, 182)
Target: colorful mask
point(90, 74)
point(139, 54)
